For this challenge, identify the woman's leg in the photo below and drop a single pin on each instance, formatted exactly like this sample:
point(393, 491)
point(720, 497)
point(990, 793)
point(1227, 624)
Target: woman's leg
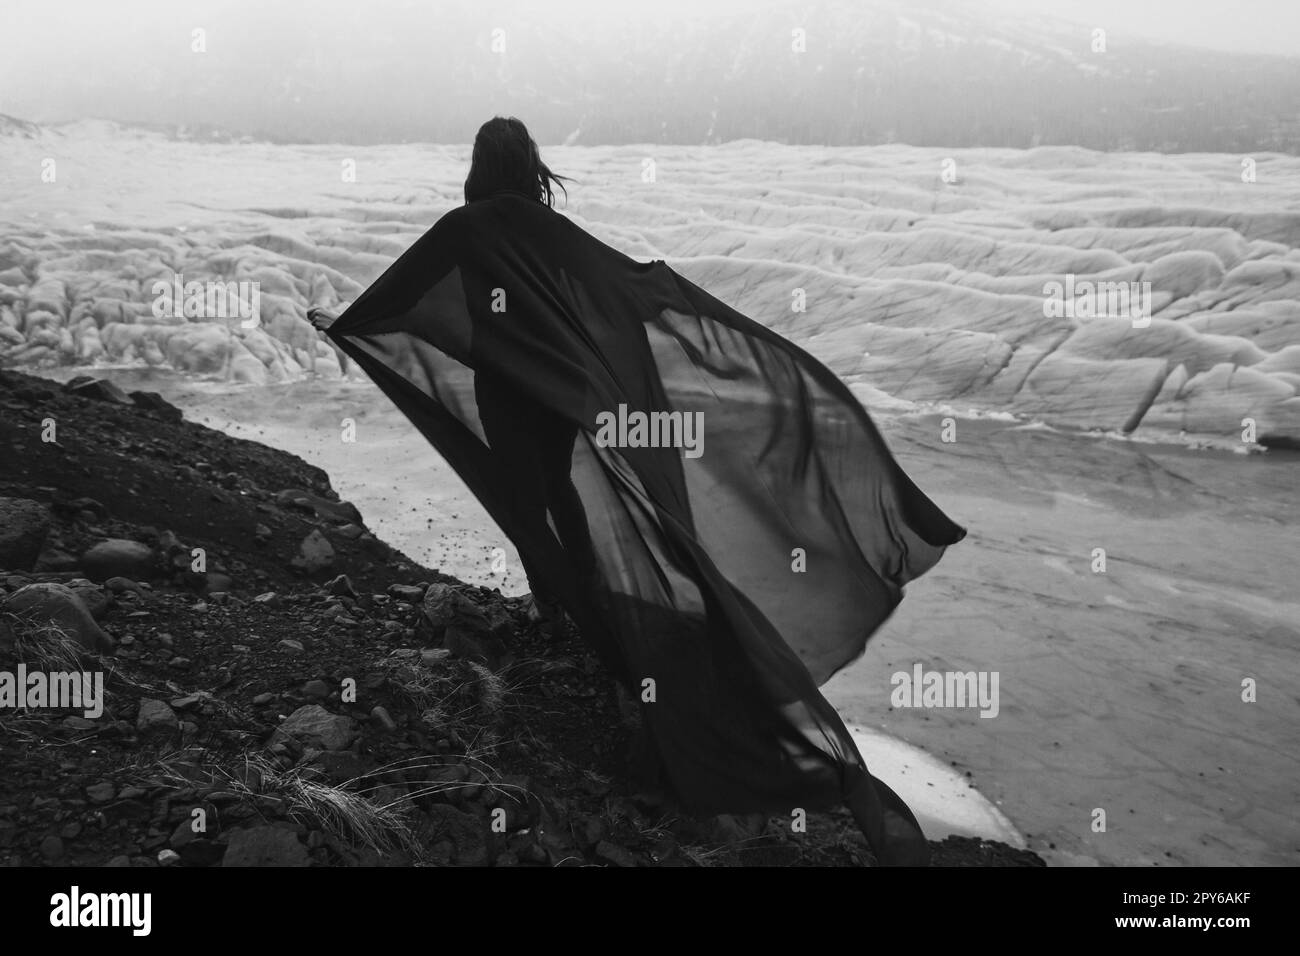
point(563, 500)
point(510, 425)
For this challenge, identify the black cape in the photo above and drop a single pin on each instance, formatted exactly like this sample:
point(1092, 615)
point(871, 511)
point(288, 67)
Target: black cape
point(723, 588)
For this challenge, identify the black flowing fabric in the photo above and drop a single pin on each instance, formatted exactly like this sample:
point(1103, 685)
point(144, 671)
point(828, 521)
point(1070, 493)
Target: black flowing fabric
point(723, 581)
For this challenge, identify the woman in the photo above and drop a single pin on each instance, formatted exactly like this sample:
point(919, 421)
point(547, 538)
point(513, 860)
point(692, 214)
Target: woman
point(525, 436)
point(723, 578)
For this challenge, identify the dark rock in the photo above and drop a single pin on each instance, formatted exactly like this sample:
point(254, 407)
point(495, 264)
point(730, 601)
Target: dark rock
point(52, 848)
point(92, 505)
point(201, 852)
point(473, 646)
point(316, 505)
point(591, 830)
point(446, 778)
point(614, 855)
point(315, 554)
point(445, 607)
point(101, 792)
point(317, 689)
point(735, 828)
point(100, 389)
point(184, 833)
point(171, 546)
point(514, 795)
point(92, 595)
point(214, 582)
point(119, 557)
point(532, 852)
point(155, 717)
point(265, 846)
point(24, 525)
point(382, 720)
point(156, 403)
point(341, 766)
point(407, 592)
point(466, 833)
point(56, 559)
point(58, 604)
point(501, 622)
point(340, 586)
point(313, 725)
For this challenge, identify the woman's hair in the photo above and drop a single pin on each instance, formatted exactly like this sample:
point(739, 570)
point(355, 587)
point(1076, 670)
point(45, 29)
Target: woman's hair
point(506, 157)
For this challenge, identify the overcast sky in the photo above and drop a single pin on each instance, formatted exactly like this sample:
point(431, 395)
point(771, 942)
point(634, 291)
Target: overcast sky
point(42, 29)
point(62, 59)
point(1247, 26)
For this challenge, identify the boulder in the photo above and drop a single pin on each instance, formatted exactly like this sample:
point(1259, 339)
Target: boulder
point(155, 717)
point(119, 557)
point(341, 586)
point(214, 582)
point(313, 725)
point(47, 602)
point(100, 389)
point(56, 559)
point(315, 554)
point(409, 593)
point(92, 595)
point(156, 403)
point(444, 607)
point(24, 525)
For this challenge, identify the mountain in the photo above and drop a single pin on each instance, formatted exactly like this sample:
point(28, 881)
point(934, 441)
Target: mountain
point(874, 71)
point(11, 126)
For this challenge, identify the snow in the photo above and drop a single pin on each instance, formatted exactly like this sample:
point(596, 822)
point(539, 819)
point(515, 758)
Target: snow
point(941, 279)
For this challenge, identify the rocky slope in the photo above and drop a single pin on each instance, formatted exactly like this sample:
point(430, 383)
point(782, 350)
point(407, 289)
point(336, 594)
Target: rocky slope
point(282, 688)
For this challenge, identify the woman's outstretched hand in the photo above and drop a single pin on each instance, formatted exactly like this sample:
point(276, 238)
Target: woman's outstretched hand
point(321, 319)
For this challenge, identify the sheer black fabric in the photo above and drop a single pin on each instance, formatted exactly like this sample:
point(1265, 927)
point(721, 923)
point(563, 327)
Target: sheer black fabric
point(508, 335)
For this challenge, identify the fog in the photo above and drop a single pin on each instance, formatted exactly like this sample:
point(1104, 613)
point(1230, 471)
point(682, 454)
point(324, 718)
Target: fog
point(1170, 76)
